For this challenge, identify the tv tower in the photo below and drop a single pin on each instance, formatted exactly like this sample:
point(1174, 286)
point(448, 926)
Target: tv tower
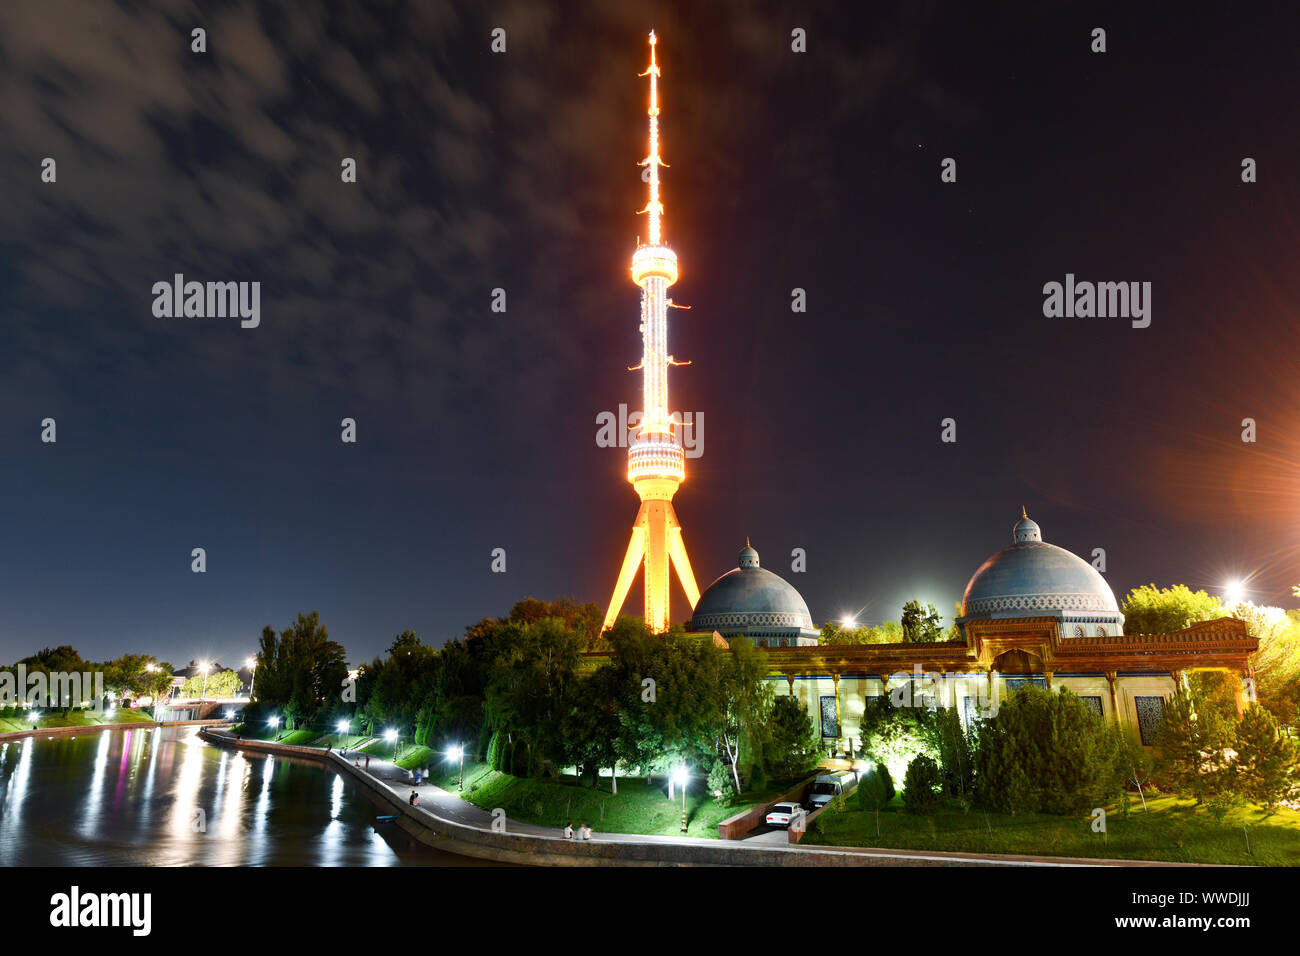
point(656, 463)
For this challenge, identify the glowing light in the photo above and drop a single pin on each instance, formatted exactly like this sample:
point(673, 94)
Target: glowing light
point(1235, 592)
point(848, 623)
point(656, 462)
point(390, 735)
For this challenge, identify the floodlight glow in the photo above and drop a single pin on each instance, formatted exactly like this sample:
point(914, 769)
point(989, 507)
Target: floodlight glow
point(1235, 592)
point(455, 753)
point(390, 735)
point(848, 622)
point(679, 776)
point(343, 726)
point(274, 721)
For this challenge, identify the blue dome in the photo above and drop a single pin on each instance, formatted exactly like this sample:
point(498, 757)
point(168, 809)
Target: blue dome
point(752, 600)
point(1032, 578)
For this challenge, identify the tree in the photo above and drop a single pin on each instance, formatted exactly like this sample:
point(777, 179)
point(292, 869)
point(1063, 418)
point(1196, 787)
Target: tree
point(1047, 752)
point(1152, 610)
point(923, 785)
point(1191, 745)
point(1266, 761)
point(875, 790)
point(740, 696)
point(224, 684)
point(921, 625)
point(792, 739)
point(300, 671)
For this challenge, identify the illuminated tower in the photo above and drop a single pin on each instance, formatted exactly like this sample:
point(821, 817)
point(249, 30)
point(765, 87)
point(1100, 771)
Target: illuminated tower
point(656, 463)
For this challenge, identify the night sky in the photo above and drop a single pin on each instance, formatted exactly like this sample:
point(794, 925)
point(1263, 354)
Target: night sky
point(476, 430)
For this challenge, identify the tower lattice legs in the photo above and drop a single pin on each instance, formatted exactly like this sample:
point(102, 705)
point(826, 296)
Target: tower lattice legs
point(657, 543)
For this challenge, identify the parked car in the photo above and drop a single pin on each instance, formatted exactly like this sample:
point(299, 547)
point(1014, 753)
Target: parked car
point(781, 814)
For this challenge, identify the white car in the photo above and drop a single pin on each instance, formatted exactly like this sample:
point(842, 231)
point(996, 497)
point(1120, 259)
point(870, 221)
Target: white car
point(781, 814)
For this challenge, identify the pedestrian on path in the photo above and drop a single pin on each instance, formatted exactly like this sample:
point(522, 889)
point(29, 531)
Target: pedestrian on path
point(367, 761)
point(568, 831)
point(415, 798)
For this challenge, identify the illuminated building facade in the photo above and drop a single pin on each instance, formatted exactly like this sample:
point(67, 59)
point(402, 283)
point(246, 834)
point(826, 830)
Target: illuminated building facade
point(656, 460)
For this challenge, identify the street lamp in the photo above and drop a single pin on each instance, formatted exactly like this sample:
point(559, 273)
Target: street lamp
point(1234, 592)
point(391, 736)
point(458, 753)
point(275, 725)
point(251, 664)
point(343, 732)
point(680, 779)
point(204, 693)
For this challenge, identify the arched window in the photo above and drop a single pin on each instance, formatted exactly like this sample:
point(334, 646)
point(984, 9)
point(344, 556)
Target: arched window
point(1101, 632)
point(1078, 631)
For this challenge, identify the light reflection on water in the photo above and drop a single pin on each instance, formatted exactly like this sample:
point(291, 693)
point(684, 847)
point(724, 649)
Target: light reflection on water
point(138, 797)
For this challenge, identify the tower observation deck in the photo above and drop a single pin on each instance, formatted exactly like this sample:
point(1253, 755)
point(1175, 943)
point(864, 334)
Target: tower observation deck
point(656, 462)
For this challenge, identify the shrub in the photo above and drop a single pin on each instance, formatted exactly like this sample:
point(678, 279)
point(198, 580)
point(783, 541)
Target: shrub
point(923, 785)
point(1266, 761)
point(1047, 752)
point(876, 788)
point(1191, 750)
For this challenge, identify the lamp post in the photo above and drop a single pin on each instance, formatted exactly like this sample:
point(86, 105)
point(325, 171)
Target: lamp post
point(458, 753)
point(204, 693)
point(680, 778)
point(251, 664)
point(343, 733)
point(392, 737)
point(275, 725)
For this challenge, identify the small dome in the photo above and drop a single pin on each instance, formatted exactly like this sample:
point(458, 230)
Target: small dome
point(1026, 529)
point(752, 600)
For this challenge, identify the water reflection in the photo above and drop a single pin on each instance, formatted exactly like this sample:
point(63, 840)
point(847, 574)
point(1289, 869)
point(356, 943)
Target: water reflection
point(164, 797)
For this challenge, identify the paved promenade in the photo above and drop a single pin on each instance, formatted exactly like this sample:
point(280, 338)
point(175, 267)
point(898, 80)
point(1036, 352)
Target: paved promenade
point(437, 806)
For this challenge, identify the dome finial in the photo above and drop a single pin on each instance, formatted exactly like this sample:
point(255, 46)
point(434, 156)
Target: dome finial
point(1026, 529)
point(748, 557)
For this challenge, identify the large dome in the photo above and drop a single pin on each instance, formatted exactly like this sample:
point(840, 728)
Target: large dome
point(1032, 578)
point(752, 601)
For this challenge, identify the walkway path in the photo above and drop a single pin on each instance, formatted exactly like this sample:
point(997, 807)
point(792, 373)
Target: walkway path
point(449, 806)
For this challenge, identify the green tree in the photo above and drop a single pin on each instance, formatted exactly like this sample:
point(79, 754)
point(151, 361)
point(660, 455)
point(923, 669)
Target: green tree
point(1047, 752)
point(1191, 744)
point(1266, 761)
point(1152, 610)
point(921, 625)
point(223, 684)
point(875, 790)
point(923, 785)
point(792, 739)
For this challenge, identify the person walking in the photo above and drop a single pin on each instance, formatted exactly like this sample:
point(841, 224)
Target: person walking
point(367, 761)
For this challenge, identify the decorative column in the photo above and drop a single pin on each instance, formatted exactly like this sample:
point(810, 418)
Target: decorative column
point(839, 724)
point(789, 679)
point(1114, 699)
point(1048, 676)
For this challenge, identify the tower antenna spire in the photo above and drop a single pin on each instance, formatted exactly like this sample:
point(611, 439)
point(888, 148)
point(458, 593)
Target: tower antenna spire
point(654, 206)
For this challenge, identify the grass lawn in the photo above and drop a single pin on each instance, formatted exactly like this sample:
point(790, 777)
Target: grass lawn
point(637, 808)
point(81, 719)
point(1171, 829)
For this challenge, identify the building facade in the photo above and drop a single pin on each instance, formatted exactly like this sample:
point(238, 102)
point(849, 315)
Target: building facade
point(1033, 613)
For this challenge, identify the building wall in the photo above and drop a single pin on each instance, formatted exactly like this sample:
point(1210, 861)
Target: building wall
point(966, 692)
